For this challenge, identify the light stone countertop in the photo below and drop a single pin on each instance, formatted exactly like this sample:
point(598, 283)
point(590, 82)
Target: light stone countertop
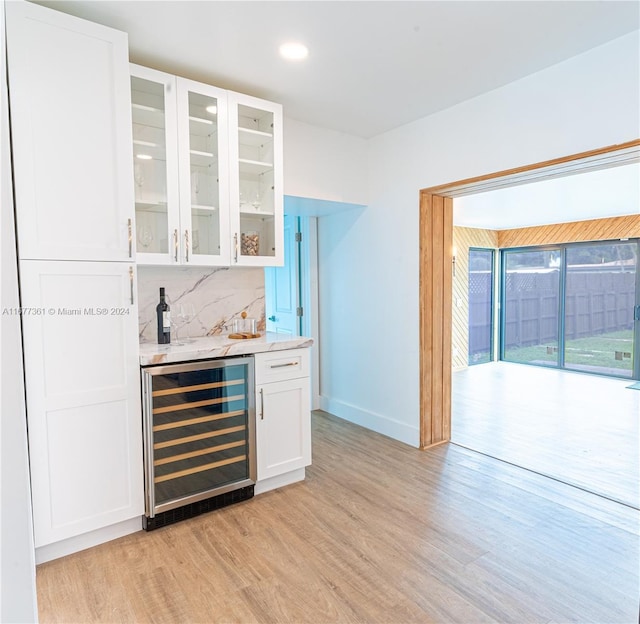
point(218, 346)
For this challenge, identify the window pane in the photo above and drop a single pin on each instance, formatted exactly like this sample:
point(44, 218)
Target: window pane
point(600, 297)
point(530, 313)
point(480, 306)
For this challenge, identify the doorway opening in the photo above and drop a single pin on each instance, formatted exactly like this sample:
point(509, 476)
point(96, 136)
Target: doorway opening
point(439, 258)
point(292, 290)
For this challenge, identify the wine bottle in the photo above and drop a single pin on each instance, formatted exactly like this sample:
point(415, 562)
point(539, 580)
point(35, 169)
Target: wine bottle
point(163, 313)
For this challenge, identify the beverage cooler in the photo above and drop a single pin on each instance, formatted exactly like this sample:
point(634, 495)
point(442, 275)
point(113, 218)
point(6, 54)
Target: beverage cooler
point(199, 437)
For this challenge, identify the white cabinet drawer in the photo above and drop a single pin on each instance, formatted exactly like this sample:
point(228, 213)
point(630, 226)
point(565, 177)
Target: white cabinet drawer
point(281, 365)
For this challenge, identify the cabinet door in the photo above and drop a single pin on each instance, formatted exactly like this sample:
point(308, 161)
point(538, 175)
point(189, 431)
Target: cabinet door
point(71, 131)
point(256, 195)
point(204, 173)
point(155, 166)
point(283, 427)
point(83, 395)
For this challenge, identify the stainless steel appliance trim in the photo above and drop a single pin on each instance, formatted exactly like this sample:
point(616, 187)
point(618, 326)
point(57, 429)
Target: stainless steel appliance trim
point(184, 367)
point(251, 417)
point(147, 428)
point(151, 509)
point(194, 498)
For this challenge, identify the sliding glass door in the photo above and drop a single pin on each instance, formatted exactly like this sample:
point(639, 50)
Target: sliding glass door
point(600, 296)
point(574, 306)
point(531, 306)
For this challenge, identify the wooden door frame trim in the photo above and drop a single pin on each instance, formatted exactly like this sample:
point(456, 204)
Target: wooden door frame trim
point(435, 260)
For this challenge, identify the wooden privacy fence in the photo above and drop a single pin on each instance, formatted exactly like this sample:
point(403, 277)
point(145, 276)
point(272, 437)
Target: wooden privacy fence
point(597, 302)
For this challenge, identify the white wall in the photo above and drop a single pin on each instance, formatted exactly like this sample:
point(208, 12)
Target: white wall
point(369, 259)
point(324, 164)
point(17, 558)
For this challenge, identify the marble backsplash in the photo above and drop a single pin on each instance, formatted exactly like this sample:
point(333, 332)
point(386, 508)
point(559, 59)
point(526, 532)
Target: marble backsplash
point(219, 295)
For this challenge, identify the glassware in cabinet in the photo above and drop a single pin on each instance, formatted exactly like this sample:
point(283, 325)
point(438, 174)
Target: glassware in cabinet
point(154, 164)
point(202, 141)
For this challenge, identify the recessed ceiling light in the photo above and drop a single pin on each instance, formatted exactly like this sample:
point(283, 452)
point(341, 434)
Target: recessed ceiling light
point(294, 51)
point(143, 156)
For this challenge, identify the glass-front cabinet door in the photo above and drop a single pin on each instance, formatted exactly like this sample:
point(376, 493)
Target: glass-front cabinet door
point(207, 172)
point(256, 196)
point(202, 140)
point(153, 111)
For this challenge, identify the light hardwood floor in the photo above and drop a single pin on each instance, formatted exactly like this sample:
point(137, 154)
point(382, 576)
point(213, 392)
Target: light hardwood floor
point(581, 429)
point(378, 532)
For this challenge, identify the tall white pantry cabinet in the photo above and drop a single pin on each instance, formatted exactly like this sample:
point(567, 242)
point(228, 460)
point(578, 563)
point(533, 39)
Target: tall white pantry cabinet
point(69, 98)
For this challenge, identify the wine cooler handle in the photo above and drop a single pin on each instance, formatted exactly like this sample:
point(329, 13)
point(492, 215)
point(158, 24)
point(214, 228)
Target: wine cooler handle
point(175, 243)
point(130, 234)
point(235, 246)
point(131, 283)
point(261, 403)
point(186, 245)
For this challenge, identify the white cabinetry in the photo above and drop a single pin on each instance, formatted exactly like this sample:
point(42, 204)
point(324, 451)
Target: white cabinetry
point(72, 150)
point(180, 170)
point(283, 422)
point(71, 135)
point(208, 173)
point(83, 397)
point(256, 181)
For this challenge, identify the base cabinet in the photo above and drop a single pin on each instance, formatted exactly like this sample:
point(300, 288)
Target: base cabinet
point(83, 396)
point(283, 412)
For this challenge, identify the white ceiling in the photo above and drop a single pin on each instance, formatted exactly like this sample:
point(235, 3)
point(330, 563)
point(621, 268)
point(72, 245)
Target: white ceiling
point(593, 195)
point(372, 66)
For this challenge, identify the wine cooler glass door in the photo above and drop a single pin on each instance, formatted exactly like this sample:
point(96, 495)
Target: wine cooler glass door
point(200, 431)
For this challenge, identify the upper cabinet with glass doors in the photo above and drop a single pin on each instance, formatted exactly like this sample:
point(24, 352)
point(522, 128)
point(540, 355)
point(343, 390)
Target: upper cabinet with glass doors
point(155, 158)
point(180, 147)
point(197, 171)
point(256, 198)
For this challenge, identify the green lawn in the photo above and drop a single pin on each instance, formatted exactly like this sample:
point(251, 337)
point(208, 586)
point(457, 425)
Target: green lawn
point(595, 351)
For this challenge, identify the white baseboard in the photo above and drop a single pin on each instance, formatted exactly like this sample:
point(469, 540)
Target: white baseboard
point(376, 422)
point(87, 540)
point(106, 534)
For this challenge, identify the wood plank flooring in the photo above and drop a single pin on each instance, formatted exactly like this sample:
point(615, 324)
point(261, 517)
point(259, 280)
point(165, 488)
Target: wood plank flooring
point(581, 429)
point(378, 532)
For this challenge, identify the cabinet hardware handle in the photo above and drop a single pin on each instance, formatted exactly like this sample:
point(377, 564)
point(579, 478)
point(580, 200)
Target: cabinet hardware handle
point(131, 283)
point(186, 245)
point(261, 404)
point(235, 245)
point(283, 365)
point(130, 231)
point(175, 243)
